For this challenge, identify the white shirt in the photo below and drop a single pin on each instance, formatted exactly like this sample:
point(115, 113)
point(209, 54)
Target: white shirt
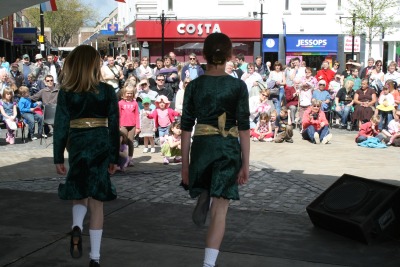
point(395, 76)
point(53, 73)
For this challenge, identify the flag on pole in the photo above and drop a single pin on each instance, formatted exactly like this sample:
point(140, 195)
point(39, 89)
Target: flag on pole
point(121, 1)
point(49, 6)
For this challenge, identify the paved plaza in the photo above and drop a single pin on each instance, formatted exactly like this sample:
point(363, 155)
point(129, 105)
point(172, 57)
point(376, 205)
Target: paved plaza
point(150, 225)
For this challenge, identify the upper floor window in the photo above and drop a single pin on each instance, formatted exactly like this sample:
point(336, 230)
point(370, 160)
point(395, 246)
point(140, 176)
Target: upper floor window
point(170, 5)
point(313, 6)
point(286, 4)
point(230, 2)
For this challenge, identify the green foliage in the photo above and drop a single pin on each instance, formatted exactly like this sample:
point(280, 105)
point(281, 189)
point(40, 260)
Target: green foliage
point(65, 22)
point(373, 17)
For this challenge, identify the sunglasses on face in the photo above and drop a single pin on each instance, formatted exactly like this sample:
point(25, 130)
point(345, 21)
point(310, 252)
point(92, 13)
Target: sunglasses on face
point(321, 84)
point(49, 80)
point(192, 58)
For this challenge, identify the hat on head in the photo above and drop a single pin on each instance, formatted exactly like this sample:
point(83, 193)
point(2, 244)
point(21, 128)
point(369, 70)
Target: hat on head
point(38, 56)
point(146, 100)
point(162, 98)
point(25, 56)
point(14, 65)
point(322, 82)
point(143, 81)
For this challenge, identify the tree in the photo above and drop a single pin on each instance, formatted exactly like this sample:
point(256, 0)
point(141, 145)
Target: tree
point(373, 17)
point(65, 22)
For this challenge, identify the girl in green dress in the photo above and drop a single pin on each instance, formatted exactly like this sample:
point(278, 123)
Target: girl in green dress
point(218, 162)
point(86, 124)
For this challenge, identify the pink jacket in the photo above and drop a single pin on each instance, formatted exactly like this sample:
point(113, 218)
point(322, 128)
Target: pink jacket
point(316, 123)
point(171, 114)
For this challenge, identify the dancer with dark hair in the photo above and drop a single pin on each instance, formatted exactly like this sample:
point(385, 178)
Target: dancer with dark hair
point(218, 162)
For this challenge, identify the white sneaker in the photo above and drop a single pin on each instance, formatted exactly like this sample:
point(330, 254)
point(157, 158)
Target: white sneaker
point(152, 150)
point(326, 139)
point(316, 138)
point(33, 138)
point(145, 150)
point(44, 136)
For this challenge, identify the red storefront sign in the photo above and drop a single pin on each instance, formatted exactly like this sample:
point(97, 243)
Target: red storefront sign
point(245, 30)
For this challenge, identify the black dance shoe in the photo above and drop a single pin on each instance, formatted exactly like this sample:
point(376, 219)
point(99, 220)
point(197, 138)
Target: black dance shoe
point(199, 215)
point(76, 243)
point(93, 263)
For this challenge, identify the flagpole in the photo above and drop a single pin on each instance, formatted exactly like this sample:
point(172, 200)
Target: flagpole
point(41, 40)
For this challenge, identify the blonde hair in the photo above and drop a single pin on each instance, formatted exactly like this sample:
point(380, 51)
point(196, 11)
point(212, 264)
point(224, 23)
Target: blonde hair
point(6, 91)
point(375, 119)
point(316, 102)
point(274, 113)
point(23, 90)
point(82, 70)
point(349, 85)
point(126, 89)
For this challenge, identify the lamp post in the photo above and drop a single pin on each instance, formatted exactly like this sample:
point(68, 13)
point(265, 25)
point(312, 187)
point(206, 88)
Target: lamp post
point(261, 13)
point(353, 18)
point(163, 19)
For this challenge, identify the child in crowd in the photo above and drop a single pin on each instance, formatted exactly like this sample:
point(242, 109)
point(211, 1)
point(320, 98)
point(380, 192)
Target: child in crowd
point(385, 108)
point(147, 126)
point(27, 109)
point(263, 130)
point(163, 117)
point(283, 126)
point(8, 109)
point(272, 120)
point(393, 131)
point(129, 121)
point(123, 159)
point(305, 98)
point(172, 144)
point(369, 129)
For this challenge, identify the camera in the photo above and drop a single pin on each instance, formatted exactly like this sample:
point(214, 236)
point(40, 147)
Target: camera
point(315, 116)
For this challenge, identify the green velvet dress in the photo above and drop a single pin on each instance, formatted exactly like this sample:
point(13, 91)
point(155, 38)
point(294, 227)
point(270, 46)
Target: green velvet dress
point(90, 150)
point(215, 160)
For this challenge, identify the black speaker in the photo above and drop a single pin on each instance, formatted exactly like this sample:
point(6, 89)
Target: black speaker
point(358, 208)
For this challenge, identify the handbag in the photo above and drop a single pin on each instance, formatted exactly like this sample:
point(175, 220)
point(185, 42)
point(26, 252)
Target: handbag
point(11, 124)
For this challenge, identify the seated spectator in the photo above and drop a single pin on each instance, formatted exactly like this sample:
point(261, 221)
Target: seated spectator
point(179, 96)
point(385, 108)
point(315, 124)
point(369, 129)
point(143, 90)
point(344, 102)
point(393, 131)
point(396, 94)
point(229, 69)
point(34, 85)
point(263, 130)
point(334, 86)
point(162, 89)
point(354, 77)
point(259, 104)
point(28, 112)
point(144, 71)
point(364, 99)
point(283, 127)
point(325, 73)
point(323, 95)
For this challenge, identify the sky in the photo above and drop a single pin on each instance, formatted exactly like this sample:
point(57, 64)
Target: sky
point(104, 7)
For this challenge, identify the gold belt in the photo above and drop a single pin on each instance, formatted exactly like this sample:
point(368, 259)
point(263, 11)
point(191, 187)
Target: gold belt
point(206, 129)
point(88, 123)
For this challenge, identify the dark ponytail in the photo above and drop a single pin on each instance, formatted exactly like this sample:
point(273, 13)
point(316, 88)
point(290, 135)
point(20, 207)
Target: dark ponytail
point(217, 48)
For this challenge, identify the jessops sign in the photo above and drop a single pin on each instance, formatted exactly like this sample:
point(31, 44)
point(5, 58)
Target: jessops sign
point(312, 43)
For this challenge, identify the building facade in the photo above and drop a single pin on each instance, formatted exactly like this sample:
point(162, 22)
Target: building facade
point(313, 30)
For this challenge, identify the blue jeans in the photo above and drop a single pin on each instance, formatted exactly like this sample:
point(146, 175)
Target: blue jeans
point(344, 114)
point(308, 134)
point(386, 117)
point(163, 131)
point(277, 102)
point(30, 119)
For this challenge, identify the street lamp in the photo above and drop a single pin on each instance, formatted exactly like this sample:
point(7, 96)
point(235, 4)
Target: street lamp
point(353, 18)
point(261, 13)
point(163, 19)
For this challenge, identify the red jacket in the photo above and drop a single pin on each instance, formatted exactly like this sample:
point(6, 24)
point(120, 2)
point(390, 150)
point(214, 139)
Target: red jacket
point(307, 121)
point(366, 130)
point(290, 99)
point(325, 74)
point(171, 114)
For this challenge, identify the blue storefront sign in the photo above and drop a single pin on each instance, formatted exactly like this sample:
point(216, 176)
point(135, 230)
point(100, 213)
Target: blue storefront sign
point(312, 43)
point(270, 43)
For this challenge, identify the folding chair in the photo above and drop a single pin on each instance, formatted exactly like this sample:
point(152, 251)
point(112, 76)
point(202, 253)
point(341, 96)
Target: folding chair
point(49, 113)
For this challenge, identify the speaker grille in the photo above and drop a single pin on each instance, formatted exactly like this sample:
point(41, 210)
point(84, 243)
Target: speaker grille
point(345, 197)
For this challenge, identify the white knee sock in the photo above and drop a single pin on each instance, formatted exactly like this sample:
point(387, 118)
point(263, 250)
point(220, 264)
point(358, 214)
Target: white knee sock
point(210, 257)
point(95, 243)
point(78, 215)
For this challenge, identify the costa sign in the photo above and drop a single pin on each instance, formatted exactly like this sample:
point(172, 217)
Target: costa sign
point(245, 30)
point(200, 28)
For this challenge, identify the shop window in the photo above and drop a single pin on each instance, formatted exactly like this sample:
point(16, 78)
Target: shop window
point(230, 2)
point(313, 7)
